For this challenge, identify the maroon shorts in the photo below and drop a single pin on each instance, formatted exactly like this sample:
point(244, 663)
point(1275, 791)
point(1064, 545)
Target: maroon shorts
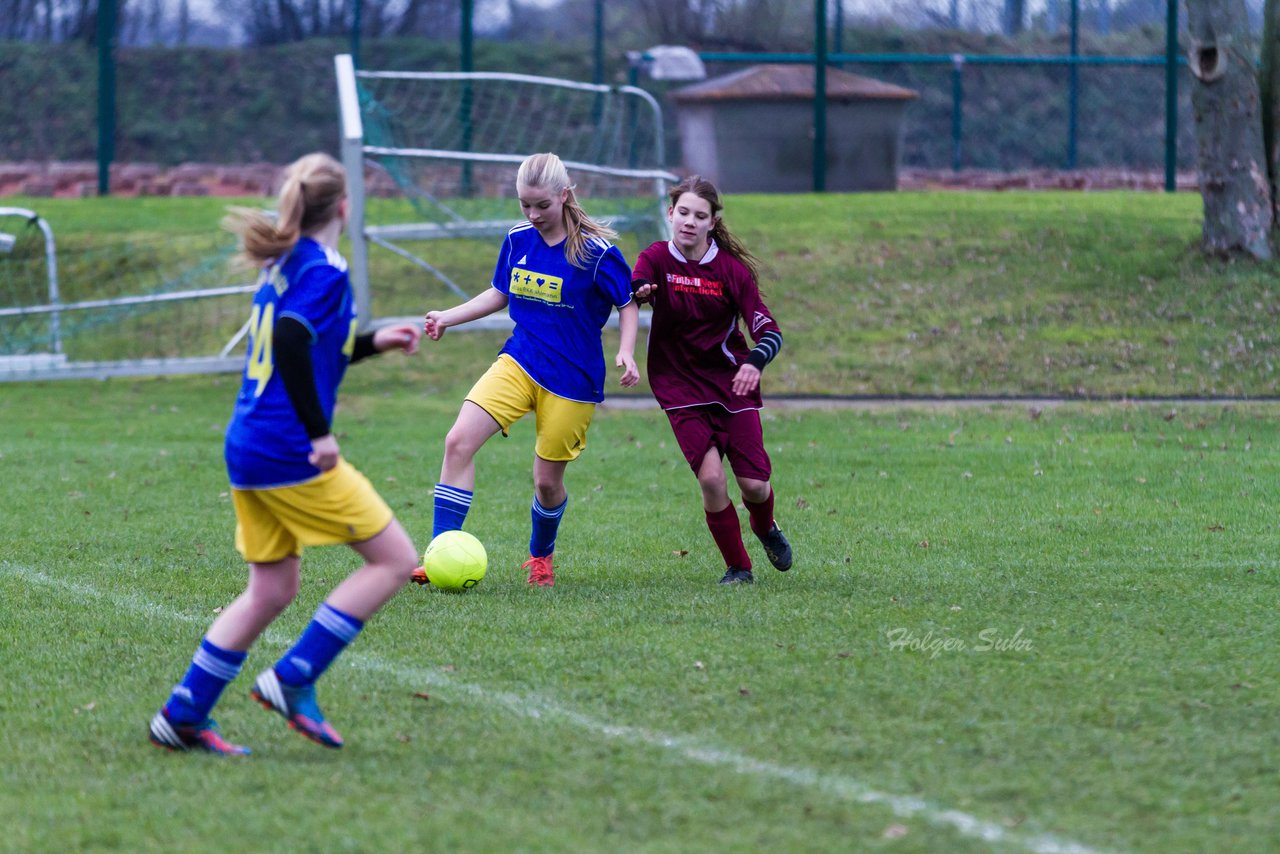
point(736, 435)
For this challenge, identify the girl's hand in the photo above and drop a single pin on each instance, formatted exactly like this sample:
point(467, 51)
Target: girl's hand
point(747, 379)
point(400, 336)
point(645, 291)
point(434, 325)
point(324, 452)
point(630, 373)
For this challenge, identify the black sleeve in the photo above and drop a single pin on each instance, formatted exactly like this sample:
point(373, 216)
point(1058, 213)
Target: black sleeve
point(364, 347)
point(291, 352)
point(764, 351)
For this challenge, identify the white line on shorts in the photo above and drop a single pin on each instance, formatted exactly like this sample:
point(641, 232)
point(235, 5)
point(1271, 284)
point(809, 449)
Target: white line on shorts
point(533, 706)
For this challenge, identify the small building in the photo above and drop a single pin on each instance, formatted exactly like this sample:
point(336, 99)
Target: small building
point(752, 130)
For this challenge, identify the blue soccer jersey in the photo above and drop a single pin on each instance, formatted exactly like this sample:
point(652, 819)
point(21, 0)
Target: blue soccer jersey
point(266, 443)
point(559, 310)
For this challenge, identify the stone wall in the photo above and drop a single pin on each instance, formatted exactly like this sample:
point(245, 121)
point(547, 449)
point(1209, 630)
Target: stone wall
point(75, 180)
point(80, 179)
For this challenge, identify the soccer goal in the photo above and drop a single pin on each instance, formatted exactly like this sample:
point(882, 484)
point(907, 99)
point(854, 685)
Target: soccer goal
point(431, 159)
point(114, 307)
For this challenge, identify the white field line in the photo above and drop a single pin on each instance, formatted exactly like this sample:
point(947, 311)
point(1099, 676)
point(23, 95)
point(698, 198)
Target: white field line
point(533, 706)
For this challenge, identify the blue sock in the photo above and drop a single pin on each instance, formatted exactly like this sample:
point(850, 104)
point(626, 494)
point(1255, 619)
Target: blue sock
point(451, 506)
point(324, 638)
point(212, 668)
point(546, 523)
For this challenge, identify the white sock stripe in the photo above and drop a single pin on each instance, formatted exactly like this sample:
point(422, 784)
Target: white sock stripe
point(549, 514)
point(336, 623)
point(451, 494)
point(211, 664)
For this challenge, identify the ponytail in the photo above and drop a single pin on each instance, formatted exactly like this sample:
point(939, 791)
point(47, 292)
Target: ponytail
point(310, 198)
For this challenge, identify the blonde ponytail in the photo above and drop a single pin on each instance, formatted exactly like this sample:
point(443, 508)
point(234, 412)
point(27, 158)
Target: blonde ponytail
point(547, 171)
point(311, 196)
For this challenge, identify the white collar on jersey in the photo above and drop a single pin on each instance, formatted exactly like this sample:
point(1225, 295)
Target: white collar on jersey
point(712, 251)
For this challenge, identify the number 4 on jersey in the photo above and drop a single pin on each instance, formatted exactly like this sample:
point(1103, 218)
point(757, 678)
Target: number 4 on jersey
point(261, 325)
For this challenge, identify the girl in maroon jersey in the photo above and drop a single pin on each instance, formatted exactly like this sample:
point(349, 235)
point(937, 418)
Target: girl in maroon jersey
point(702, 372)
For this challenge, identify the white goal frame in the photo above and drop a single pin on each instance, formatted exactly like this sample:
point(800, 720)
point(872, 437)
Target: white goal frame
point(53, 362)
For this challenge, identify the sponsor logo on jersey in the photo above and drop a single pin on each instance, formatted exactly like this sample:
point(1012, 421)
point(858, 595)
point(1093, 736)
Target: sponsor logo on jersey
point(539, 286)
point(524, 259)
point(757, 320)
point(694, 285)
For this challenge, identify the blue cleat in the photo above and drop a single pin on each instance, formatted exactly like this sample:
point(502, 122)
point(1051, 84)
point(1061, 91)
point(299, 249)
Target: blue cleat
point(297, 705)
point(776, 548)
point(203, 736)
point(736, 575)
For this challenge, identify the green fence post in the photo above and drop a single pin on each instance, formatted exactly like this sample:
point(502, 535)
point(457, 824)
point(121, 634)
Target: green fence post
point(633, 79)
point(467, 63)
point(597, 63)
point(106, 93)
point(957, 107)
point(1171, 98)
point(820, 97)
point(838, 39)
point(597, 74)
point(355, 32)
point(1073, 94)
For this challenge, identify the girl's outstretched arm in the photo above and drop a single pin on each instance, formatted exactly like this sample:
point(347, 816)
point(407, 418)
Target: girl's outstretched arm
point(628, 323)
point(436, 322)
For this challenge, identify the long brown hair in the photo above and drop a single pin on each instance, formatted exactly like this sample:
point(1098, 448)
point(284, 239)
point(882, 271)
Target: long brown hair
point(720, 233)
point(546, 171)
point(313, 190)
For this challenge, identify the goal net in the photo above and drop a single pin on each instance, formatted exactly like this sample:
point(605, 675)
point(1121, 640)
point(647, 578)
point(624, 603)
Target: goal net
point(431, 161)
point(96, 307)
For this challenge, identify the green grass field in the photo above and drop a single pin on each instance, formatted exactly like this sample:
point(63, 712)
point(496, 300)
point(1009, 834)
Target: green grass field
point(1009, 628)
point(904, 294)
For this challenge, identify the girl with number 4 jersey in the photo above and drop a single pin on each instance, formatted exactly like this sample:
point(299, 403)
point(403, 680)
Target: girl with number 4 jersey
point(704, 376)
point(289, 484)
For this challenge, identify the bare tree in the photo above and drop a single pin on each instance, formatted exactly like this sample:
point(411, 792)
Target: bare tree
point(49, 20)
point(1227, 108)
point(736, 24)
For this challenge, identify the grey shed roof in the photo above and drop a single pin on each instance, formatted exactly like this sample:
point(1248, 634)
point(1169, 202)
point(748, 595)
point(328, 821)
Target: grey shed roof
point(785, 82)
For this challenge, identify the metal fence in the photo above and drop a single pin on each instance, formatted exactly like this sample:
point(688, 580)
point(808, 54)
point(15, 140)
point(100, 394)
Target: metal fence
point(1002, 84)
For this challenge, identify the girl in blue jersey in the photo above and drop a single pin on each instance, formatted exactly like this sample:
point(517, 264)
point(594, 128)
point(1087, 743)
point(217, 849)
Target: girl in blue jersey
point(289, 483)
point(560, 278)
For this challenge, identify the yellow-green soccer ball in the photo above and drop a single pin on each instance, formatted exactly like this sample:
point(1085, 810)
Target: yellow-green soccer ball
point(455, 561)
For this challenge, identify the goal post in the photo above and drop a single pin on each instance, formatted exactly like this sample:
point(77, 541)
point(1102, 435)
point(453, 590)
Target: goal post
point(432, 157)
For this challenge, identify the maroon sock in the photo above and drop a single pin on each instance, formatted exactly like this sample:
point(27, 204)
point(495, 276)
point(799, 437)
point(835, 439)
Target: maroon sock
point(727, 532)
point(761, 515)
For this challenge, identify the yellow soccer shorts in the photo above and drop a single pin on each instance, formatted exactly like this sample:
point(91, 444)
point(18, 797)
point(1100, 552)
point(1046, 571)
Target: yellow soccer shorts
point(339, 506)
point(507, 393)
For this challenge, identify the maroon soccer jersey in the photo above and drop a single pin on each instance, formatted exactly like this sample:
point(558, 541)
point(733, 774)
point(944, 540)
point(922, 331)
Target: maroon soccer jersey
point(695, 345)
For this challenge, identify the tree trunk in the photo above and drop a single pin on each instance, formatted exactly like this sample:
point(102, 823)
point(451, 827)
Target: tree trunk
point(1269, 86)
point(1015, 16)
point(1226, 104)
